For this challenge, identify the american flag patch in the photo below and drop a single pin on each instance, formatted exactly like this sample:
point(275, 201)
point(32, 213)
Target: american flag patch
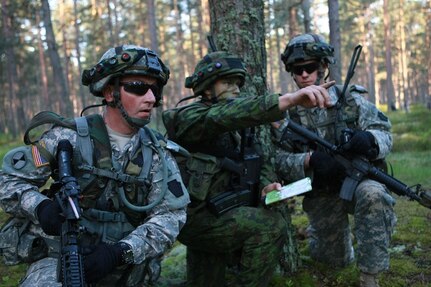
point(38, 159)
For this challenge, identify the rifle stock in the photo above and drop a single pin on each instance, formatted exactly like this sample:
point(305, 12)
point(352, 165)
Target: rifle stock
point(72, 270)
point(357, 168)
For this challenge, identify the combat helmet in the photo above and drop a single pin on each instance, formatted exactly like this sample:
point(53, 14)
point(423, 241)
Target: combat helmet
point(213, 66)
point(126, 60)
point(307, 47)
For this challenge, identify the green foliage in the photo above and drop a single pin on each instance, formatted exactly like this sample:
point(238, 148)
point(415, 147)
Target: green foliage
point(411, 130)
point(10, 275)
point(6, 144)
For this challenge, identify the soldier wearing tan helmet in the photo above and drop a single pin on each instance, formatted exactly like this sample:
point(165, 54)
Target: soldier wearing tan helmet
point(306, 58)
point(132, 198)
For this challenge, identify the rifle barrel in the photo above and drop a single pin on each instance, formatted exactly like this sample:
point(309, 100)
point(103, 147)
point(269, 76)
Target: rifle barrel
point(309, 135)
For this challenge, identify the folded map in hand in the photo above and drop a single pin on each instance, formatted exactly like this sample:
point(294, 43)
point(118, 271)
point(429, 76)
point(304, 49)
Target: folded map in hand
point(290, 190)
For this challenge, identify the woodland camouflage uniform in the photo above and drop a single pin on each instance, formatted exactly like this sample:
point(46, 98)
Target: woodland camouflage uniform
point(329, 231)
point(248, 237)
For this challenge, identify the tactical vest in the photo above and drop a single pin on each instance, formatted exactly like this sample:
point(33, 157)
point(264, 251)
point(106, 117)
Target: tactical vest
point(335, 120)
point(97, 177)
point(218, 177)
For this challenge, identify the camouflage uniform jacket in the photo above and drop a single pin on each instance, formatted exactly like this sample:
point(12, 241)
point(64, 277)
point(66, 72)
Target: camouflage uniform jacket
point(23, 174)
point(202, 128)
point(363, 116)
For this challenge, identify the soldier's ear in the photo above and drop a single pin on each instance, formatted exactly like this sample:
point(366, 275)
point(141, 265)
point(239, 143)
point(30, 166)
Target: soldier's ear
point(108, 93)
point(324, 65)
point(207, 94)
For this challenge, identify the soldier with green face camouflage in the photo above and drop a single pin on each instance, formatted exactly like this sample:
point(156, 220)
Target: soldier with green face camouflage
point(133, 200)
point(307, 58)
point(226, 176)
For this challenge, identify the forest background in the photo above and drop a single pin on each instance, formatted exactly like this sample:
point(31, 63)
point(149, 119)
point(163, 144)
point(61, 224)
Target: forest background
point(45, 45)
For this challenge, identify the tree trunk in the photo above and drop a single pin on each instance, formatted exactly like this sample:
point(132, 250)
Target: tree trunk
point(78, 52)
point(292, 7)
point(200, 19)
point(305, 5)
point(427, 9)
point(335, 39)
point(11, 100)
point(43, 75)
point(110, 26)
point(152, 26)
point(403, 69)
point(69, 79)
point(242, 33)
point(58, 75)
point(281, 69)
point(390, 91)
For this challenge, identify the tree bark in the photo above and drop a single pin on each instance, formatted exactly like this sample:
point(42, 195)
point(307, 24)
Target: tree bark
point(42, 63)
point(427, 9)
point(243, 33)
point(335, 39)
point(152, 26)
point(390, 90)
point(11, 100)
point(58, 73)
point(78, 51)
point(305, 6)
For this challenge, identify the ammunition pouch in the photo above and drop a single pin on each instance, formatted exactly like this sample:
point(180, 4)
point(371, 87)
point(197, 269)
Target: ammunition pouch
point(18, 244)
point(226, 201)
point(104, 226)
point(200, 169)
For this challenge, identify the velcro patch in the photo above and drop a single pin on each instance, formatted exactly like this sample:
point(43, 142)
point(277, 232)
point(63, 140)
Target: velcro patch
point(38, 159)
point(174, 186)
point(19, 160)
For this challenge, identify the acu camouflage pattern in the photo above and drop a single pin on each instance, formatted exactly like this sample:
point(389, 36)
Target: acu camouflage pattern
point(372, 205)
point(20, 195)
point(249, 238)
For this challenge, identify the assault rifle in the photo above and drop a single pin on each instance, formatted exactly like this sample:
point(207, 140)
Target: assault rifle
point(358, 168)
point(245, 178)
point(72, 270)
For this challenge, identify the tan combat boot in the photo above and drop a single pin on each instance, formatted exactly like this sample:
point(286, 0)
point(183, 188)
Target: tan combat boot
point(368, 280)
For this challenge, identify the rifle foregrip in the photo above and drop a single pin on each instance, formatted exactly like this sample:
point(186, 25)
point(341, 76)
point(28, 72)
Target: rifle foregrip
point(72, 267)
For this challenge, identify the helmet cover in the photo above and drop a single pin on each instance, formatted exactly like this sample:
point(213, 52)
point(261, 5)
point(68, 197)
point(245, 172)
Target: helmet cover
point(125, 60)
point(213, 66)
point(307, 47)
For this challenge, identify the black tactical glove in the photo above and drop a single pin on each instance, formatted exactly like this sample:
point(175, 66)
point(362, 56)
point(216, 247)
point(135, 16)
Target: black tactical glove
point(362, 143)
point(48, 213)
point(326, 169)
point(101, 261)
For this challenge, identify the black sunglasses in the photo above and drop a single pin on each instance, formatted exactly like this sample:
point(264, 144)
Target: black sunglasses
point(309, 68)
point(140, 88)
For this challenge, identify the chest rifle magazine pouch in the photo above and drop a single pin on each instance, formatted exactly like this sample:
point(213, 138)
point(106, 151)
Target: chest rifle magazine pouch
point(201, 169)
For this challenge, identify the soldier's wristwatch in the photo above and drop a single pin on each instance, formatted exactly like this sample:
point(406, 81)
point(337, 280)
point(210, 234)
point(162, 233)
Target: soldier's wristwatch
point(126, 253)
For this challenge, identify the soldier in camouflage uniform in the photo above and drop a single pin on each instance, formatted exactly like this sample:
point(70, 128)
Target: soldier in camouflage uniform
point(307, 57)
point(244, 234)
point(133, 199)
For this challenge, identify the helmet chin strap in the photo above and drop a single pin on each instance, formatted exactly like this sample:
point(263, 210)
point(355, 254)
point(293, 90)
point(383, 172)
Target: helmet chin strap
point(214, 97)
point(135, 123)
point(321, 74)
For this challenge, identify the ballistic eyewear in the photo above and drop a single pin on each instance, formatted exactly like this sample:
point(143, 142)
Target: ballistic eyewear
point(140, 88)
point(309, 68)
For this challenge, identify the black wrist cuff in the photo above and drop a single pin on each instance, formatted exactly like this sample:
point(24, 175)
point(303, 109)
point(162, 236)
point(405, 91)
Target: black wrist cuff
point(126, 253)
